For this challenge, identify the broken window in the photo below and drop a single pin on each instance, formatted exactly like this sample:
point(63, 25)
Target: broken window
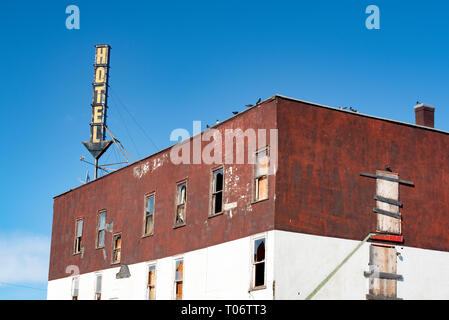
point(116, 248)
point(98, 287)
point(75, 288)
point(101, 225)
point(217, 191)
point(152, 282)
point(259, 262)
point(149, 215)
point(78, 235)
point(178, 278)
point(261, 175)
point(181, 193)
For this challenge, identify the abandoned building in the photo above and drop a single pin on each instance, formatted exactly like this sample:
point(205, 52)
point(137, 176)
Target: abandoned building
point(356, 208)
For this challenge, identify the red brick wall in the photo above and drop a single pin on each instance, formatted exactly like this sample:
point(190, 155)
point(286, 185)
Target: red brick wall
point(122, 195)
point(318, 187)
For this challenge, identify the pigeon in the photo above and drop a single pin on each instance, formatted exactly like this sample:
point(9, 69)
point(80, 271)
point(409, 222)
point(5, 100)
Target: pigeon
point(249, 105)
point(388, 169)
point(258, 101)
point(235, 112)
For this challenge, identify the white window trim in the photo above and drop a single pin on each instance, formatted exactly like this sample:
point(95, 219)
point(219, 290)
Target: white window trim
point(253, 239)
point(148, 265)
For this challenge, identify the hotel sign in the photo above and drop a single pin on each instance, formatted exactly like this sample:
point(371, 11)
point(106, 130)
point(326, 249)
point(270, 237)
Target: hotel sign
point(97, 144)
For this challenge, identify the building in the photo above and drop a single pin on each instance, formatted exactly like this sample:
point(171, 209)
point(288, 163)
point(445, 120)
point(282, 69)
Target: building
point(155, 229)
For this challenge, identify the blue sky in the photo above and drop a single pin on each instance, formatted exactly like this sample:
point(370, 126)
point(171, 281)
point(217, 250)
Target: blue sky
point(179, 61)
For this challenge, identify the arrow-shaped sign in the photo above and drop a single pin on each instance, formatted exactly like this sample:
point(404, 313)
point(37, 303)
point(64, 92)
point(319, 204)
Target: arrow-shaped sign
point(97, 144)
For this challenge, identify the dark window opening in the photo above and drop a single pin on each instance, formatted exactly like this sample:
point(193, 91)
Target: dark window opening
point(78, 236)
point(259, 262)
point(217, 191)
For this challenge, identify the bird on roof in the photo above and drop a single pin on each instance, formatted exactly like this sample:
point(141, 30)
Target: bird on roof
point(207, 126)
point(252, 105)
point(418, 102)
point(388, 168)
point(235, 112)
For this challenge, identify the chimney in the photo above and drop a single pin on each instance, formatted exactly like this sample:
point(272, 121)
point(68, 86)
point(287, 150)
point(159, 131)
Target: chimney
point(424, 115)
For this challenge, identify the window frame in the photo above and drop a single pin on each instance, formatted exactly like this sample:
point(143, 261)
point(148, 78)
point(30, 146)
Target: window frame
point(150, 265)
point(257, 177)
point(178, 184)
point(213, 193)
point(114, 249)
point(75, 283)
point(146, 197)
point(75, 238)
point(98, 275)
point(100, 212)
point(175, 281)
point(254, 263)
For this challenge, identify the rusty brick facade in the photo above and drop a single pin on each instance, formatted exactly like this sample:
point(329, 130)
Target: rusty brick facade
point(317, 189)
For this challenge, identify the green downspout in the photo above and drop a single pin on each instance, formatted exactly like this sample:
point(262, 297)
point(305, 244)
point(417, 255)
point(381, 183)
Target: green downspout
point(322, 283)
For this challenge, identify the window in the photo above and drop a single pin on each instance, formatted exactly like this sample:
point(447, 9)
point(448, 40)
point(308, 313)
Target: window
point(259, 263)
point(149, 215)
point(179, 271)
point(152, 282)
point(181, 194)
point(217, 191)
point(261, 175)
point(98, 287)
point(78, 236)
point(116, 248)
point(101, 225)
point(75, 288)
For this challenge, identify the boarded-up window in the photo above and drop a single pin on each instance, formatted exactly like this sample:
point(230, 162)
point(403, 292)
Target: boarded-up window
point(98, 280)
point(149, 215)
point(101, 225)
point(75, 288)
point(261, 175)
point(78, 235)
point(217, 191)
point(382, 260)
point(388, 191)
point(152, 282)
point(181, 197)
point(259, 262)
point(179, 273)
point(116, 248)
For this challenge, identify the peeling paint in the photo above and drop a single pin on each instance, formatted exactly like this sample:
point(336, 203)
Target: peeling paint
point(141, 170)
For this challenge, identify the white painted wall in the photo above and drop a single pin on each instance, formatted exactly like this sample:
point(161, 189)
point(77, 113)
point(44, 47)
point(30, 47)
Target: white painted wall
point(303, 261)
point(297, 262)
point(223, 271)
